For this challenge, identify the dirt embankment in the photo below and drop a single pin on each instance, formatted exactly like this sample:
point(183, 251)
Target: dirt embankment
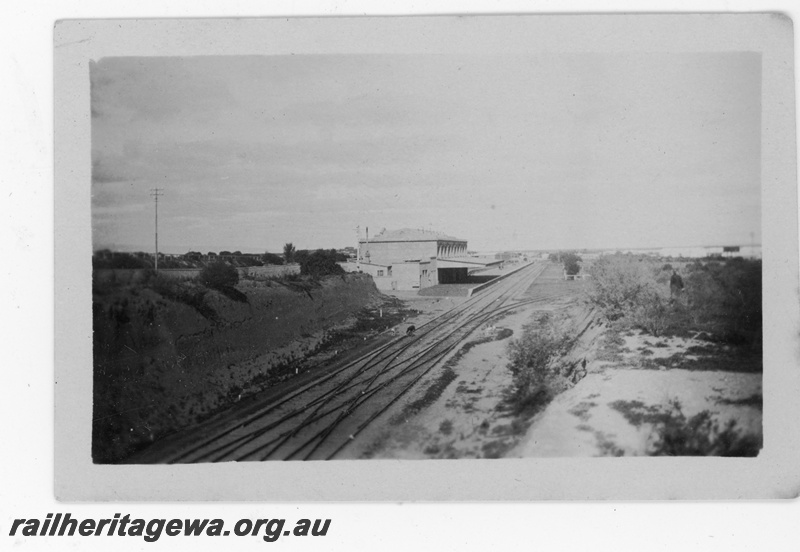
point(166, 357)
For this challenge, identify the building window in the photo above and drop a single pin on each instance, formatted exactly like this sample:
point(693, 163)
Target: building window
point(380, 273)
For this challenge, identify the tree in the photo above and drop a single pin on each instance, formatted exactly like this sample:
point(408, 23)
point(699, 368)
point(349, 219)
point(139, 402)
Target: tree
point(320, 263)
point(219, 275)
point(300, 255)
point(571, 263)
point(337, 256)
point(288, 252)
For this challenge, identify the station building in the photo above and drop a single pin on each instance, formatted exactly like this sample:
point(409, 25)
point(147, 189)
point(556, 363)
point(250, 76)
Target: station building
point(410, 259)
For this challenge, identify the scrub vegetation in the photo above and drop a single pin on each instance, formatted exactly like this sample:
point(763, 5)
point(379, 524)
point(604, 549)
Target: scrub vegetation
point(675, 434)
point(537, 363)
point(721, 298)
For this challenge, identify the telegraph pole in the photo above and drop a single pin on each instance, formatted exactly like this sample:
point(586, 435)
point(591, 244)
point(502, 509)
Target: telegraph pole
point(358, 248)
point(155, 193)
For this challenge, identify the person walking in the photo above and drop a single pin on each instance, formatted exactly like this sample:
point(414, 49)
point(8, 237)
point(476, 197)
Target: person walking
point(675, 285)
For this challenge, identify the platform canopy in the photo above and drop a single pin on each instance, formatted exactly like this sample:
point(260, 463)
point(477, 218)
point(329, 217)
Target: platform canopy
point(468, 262)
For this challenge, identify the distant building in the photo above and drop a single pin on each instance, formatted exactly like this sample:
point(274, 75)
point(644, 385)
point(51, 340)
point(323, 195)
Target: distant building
point(412, 259)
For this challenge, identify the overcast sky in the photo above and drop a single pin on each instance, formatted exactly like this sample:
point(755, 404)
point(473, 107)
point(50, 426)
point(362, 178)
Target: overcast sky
point(507, 152)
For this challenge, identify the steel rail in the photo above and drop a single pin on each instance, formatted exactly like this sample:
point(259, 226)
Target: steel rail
point(361, 366)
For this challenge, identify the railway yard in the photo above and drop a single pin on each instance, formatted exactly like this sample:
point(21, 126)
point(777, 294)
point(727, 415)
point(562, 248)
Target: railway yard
point(437, 385)
point(345, 408)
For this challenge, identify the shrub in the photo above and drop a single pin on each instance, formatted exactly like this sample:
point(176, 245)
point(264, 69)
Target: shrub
point(723, 298)
point(620, 284)
point(186, 292)
point(653, 311)
point(219, 275)
point(726, 298)
point(536, 365)
point(634, 291)
point(700, 435)
point(106, 259)
point(272, 258)
point(320, 263)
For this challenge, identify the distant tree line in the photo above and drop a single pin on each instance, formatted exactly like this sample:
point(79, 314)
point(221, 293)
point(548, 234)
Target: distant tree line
point(319, 262)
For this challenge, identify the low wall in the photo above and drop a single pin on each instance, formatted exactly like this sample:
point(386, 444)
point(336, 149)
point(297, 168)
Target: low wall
point(136, 275)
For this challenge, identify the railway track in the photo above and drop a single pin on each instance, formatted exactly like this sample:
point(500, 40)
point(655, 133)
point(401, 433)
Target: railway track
point(321, 419)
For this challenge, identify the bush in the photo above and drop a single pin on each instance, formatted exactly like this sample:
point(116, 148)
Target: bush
point(320, 263)
point(536, 367)
point(219, 275)
point(653, 311)
point(700, 435)
point(272, 259)
point(106, 259)
point(727, 298)
point(620, 284)
point(186, 292)
point(627, 288)
point(723, 298)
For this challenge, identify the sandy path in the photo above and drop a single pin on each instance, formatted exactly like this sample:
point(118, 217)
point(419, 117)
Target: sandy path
point(464, 421)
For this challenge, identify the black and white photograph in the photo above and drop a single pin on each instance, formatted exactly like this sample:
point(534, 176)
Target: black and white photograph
point(425, 251)
point(313, 257)
point(368, 275)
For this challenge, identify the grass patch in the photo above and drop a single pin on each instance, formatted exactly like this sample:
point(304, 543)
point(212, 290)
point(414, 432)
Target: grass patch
point(429, 397)
point(755, 400)
point(581, 410)
point(611, 347)
point(496, 448)
point(184, 291)
point(607, 446)
point(446, 427)
point(701, 435)
point(636, 412)
point(700, 350)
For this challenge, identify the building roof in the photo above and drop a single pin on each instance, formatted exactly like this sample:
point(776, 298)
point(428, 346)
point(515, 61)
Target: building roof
point(411, 234)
